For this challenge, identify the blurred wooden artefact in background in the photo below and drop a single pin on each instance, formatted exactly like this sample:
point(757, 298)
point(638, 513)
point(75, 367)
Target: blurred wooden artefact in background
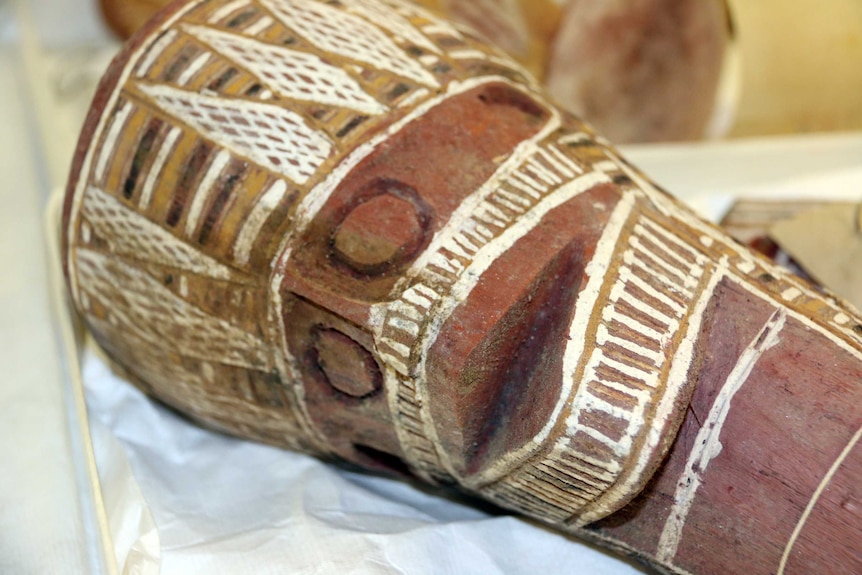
point(125, 17)
point(355, 230)
point(641, 70)
point(523, 28)
point(653, 70)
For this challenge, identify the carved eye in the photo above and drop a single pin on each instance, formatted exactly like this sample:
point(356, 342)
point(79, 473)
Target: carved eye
point(382, 230)
point(383, 213)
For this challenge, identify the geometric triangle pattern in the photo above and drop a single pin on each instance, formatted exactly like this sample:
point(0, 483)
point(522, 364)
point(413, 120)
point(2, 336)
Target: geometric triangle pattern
point(272, 136)
point(139, 304)
point(387, 18)
point(347, 35)
point(289, 73)
point(131, 235)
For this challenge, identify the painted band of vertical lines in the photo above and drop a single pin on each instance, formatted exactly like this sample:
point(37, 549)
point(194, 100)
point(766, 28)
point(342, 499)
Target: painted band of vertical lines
point(636, 374)
point(620, 295)
point(628, 349)
point(529, 180)
point(522, 187)
point(638, 395)
point(202, 193)
point(259, 26)
point(627, 276)
point(656, 260)
point(672, 288)
point(231, 176)
point(565, 165)
point(156, 169)
point(155, 51)
point(143, 151)
point(573, 359)
point(270, 199)
point(611, 313)
point(193, 69)
point(555, 163)
point(672, 238)
point(108, 148)
point(194, 164)
point(663, 247)
point(226, 10)
point(543, 172)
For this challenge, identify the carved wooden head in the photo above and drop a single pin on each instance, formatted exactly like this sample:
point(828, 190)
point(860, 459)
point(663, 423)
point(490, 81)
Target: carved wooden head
point(353, 229)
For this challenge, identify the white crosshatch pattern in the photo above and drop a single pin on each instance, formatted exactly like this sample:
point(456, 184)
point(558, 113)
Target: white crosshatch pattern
point(390, 20)
point(146, 307)
point(270, 135)
point(132, 235)
point(291, 73)
point(342, 33)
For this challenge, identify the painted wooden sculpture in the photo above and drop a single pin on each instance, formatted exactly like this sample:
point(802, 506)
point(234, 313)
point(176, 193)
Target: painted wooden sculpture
point(352, 229)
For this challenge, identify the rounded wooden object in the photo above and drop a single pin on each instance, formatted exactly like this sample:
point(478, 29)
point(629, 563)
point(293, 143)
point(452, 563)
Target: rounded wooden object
point(353, 229)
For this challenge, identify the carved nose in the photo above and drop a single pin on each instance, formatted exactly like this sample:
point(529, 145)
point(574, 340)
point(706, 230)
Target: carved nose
point(495, 371)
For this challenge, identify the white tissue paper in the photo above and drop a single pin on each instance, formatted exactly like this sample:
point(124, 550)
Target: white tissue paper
point(183, 500)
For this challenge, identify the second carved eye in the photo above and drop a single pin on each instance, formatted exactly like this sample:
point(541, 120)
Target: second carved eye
point(383, 229)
